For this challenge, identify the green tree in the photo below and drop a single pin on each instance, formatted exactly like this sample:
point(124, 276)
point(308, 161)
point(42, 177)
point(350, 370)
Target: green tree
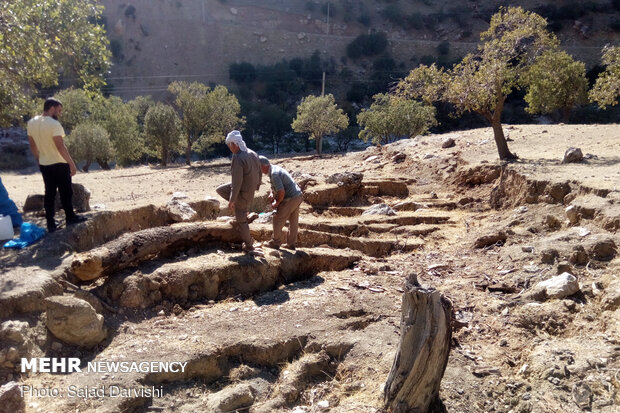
point(141, 105)
point(318, 116)
point(206, 114)
point(191, 103)
point(482, 81)
point(42, 40)
point(555, 81)
point(222, 114)
point(271, 123)
point(367, 45)
point(391, 117)
point(89, 142)
point(120, 120)
point(162, 129)
point(77, 106)
point(243, 72)
point(606, 89)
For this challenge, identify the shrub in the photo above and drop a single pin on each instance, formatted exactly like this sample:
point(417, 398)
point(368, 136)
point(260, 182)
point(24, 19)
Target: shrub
point(443, 48)
point(367, 45)
point(243, 72)
point(90, 142)
point(163, 130)
point(358, 92)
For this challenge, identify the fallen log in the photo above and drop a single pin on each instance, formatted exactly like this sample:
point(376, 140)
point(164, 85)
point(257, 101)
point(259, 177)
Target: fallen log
point(422, 356)
point(138, 246)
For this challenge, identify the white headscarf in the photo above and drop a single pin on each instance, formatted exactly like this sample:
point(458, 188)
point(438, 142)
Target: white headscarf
point(235, 137)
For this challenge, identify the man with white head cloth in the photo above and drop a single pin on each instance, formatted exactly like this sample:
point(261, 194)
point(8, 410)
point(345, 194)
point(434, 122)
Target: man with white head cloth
point(246, 179)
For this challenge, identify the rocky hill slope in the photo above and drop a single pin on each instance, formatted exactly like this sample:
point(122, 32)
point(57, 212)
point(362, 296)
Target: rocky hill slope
point(158, 41)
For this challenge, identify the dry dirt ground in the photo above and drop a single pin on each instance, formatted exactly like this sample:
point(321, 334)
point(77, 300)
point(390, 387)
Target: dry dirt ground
point(316, 329)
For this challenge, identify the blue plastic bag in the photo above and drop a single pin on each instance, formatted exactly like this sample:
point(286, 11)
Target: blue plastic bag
point(29, 234)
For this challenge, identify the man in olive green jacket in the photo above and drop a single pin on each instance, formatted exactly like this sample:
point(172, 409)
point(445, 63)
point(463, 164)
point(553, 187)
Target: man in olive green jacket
point(246, 179)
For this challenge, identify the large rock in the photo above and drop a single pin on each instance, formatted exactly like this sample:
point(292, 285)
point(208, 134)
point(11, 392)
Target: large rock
point(74, 321)
point(345, 178)
point(180, 211)
point(572, 155)
point(379, 209)
point(611, 298)
point(572, 214)
point(34, 203)
point(602, 249)
point(15, 331)
point(490, 239)
point(81, 200)
point(11, 399)
point(560, 286)
point(231, 398)
point(448, 143)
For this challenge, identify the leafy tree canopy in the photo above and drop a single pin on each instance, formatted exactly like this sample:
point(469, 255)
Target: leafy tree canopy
point(482, 81)
point(606, 90)
point(222, 115)
point(393, 117)
point(162, 129)
point(89, 142)
point(206, 114)
point(318, 116)
point(43, 40)
point(120, 120)
point(555, 81)
point(77, 107)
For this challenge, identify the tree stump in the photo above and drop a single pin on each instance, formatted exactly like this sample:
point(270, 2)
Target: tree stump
point(422, 356)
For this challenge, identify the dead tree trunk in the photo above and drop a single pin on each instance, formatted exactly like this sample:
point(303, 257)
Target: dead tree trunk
point(422, 356)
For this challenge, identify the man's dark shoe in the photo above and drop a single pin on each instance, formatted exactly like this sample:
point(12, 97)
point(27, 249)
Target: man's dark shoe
point(76, 220)
point(51, 227)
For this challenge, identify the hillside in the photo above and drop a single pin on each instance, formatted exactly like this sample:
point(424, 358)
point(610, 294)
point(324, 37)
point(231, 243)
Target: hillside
point(158, 41)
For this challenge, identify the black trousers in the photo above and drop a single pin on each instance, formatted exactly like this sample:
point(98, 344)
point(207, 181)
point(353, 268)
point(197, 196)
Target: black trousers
point(57, 176)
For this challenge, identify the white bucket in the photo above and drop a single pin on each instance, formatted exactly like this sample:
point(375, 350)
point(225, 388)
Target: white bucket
point(6, 227)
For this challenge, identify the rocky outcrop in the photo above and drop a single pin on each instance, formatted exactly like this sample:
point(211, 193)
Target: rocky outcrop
point(74, 321)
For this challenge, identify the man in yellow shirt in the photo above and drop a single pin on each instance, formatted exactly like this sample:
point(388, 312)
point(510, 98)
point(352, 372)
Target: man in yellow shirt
point(45, 135)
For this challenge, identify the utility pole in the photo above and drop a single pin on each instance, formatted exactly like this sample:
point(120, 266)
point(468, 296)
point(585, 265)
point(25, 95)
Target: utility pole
point(323, 84)
point(327, 17)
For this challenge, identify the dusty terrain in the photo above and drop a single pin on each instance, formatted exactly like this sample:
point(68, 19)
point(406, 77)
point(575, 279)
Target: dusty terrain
point(316, 329)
